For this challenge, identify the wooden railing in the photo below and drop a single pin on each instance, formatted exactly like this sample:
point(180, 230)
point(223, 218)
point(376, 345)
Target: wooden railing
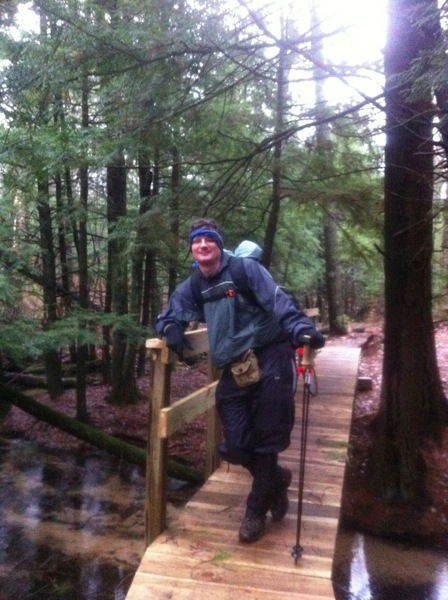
point(165, 419)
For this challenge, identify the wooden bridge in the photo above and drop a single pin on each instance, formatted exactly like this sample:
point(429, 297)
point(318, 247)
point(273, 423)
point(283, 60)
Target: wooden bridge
point(198, 555)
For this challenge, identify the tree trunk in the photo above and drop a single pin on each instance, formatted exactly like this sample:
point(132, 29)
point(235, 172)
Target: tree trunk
point(105, 351)
point(90, 434)
point(124, 385)
point(143, 260)
point(332, 271)
point(83, 350)
point(33, 380)
point(52, 360)
point(274, 210)
point(323, 149)
point(174, 223)
point(151, 283)
point(412, 400)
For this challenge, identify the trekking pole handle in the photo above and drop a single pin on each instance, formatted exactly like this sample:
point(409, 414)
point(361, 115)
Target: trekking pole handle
point(308, 354)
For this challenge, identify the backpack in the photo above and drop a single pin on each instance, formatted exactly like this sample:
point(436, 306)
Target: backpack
point(239, 278)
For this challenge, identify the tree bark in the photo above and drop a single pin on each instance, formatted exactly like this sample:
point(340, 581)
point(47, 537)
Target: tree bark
point(412, 400)
point(52, 360)
point(144, 261)
point(124, 385)
point(274, 209)
point(90, 434)
point(82, 354)
point(323, 149)
point(152, 296)
point(174, 221)
point(332, 271)
point(34, 380)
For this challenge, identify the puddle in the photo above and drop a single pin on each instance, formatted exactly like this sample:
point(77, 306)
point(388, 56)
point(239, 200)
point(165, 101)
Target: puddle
point(369, 568)
point(71, 525)
point(72, 528)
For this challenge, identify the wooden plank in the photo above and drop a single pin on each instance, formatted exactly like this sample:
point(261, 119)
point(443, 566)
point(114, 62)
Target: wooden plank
point(213, 437)
point(199, 556)
point(164, 589)
point(275, 547)
point(157, 456)
point(202, 565)
point(197, 338)
point(213, 423)
point(183, 411)
point(312, 313)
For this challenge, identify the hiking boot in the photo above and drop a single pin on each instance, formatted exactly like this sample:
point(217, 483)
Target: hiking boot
point(279, 503)
point(252, 528)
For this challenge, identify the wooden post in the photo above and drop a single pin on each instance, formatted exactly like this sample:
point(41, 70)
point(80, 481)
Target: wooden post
point(214, 431)
point(157, 448)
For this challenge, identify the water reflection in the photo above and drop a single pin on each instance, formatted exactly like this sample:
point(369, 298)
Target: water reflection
point(72, 528)
point(369, 568)
point(71, 525)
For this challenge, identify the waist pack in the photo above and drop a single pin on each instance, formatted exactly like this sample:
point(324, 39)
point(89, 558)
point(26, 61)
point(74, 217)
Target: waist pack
point(246, 371)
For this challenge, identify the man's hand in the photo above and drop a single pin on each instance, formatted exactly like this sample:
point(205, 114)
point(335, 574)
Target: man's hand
point(313, 338)
point(176, 340)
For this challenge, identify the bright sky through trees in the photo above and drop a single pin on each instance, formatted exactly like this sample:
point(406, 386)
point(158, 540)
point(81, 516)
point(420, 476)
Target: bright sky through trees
point(353, 41)
point(363, 28)
point(354, 37)
point(358, 40)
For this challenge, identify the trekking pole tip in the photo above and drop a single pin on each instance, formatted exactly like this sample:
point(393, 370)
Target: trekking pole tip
point(296, 553)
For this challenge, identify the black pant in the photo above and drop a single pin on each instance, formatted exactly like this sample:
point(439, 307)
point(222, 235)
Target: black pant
point(258, 419)
point(264, 472)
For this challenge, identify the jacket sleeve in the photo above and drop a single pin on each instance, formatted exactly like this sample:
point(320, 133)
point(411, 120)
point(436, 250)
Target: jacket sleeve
point(181, 309)
point(272, 298)
point(292, 318)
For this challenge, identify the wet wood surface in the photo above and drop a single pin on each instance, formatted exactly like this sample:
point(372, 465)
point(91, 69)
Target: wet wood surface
point(199, 555)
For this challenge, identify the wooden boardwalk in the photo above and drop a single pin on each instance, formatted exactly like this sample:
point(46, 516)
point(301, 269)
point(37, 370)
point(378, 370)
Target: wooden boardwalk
point(199, 556)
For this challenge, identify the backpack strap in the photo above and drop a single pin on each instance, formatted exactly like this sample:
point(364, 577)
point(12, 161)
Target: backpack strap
point(238, 275)
point(195, 286)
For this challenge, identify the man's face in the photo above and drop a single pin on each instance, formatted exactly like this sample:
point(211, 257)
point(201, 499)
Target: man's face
point(206, 252)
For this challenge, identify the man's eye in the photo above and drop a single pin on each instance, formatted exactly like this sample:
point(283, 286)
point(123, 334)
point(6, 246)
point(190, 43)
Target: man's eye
point(204, 239)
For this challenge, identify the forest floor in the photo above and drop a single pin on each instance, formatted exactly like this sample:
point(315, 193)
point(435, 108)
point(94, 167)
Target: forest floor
point(423, 525)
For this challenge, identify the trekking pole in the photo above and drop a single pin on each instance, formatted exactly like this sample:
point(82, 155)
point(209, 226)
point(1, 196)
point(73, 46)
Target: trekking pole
point(308, 369)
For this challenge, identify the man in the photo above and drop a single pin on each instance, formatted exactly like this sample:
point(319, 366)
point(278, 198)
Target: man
point(257, 417)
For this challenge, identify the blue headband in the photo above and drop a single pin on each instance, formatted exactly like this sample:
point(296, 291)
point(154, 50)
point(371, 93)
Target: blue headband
point(204, 232)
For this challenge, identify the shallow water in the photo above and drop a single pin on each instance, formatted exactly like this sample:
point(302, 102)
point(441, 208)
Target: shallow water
point(72, 528)
point(370, 568)
point(71, 525)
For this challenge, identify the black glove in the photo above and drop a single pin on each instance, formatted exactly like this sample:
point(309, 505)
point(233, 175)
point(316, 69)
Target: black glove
point(313, 338)
point(176, 340)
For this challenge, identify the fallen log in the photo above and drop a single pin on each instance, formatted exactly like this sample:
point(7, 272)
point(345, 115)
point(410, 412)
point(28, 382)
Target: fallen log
point(92, 435)
point(33, 380)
